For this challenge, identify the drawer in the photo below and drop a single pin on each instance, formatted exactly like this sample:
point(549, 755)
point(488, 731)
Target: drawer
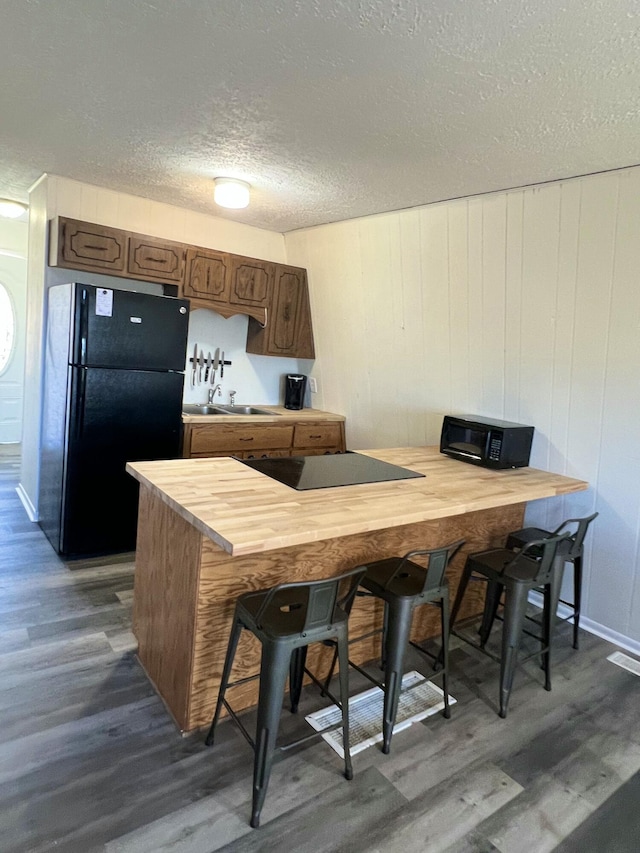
point(318, 435)
point(229, 438)
point(261, 454)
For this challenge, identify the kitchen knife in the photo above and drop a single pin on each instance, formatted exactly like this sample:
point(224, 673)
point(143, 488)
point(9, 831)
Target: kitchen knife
point(201, 365)
point(216, 362)
point(222, 366)
point(207, 369)
point(194, 365)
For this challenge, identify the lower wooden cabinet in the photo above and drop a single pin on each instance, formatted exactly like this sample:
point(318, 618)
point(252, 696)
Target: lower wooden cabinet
point(250, 440)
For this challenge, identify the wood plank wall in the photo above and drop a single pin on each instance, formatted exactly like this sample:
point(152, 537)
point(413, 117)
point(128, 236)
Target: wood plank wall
point(523, 305)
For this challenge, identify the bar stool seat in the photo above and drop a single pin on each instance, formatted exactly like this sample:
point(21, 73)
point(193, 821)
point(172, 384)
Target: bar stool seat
point(286, 619)
point(517, 574)
point(404, 585)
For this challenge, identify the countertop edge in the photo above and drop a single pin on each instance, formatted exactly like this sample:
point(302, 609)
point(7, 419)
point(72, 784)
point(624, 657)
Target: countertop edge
point(280, 416)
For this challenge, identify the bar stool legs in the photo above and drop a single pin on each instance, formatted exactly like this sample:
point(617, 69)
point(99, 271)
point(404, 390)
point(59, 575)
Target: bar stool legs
point(236, 630)
point(398, 624)
point(286, 619)
point(343, 675)
point(577, 599)
point(514, 613)
point(404, 585)
point(274, 668)
point(540, 563)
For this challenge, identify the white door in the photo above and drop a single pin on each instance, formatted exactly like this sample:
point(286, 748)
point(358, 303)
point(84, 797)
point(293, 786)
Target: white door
point(13, 309)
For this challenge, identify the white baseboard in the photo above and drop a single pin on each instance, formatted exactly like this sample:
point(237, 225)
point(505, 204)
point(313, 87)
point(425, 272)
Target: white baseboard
point(26, 503)
point(609, 634)
point(592, 627)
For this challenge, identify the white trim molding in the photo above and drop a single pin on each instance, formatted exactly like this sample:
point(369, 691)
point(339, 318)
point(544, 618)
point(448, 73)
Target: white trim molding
point(26, 503)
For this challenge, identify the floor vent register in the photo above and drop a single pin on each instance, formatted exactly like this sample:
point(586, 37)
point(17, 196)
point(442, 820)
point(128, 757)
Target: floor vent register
point(626, 662)
point(365, 713)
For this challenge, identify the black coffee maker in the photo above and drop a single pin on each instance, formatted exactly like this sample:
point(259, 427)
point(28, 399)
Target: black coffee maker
point(295, 385)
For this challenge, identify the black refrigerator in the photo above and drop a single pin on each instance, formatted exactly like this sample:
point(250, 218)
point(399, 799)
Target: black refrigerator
point(114, 374)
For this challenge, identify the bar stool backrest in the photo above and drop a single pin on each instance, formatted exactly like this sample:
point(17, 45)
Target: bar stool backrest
point(543, 554)
point(322, 598)
point(438, 560)
point(577, 538)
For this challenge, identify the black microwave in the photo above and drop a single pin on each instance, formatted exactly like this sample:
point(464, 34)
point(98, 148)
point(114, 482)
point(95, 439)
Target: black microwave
point(485, 441)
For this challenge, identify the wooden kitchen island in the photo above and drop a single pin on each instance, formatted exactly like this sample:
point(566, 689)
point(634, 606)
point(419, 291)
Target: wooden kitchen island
point(211, 529)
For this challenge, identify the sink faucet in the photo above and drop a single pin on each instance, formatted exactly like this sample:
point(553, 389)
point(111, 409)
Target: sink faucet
point(212, 392)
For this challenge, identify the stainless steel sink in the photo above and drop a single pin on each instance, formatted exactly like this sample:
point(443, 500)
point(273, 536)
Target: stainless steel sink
point(205, 409)
point(245, 410)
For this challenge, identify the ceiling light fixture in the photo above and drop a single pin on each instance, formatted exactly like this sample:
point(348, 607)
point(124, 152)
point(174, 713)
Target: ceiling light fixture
point(229, 192)
point(12, 209)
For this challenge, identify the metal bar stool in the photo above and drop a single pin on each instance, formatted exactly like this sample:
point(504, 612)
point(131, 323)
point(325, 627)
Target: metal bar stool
point(572, 552)
point(516, 574)
point(286, 619)
point(404, 585)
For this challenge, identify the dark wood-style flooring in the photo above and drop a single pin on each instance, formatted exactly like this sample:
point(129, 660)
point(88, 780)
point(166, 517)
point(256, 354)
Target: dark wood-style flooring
point(91, 761)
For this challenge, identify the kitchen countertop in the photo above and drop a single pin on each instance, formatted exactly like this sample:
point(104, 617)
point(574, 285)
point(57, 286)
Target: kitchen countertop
point(280, 415)
point(246, 512)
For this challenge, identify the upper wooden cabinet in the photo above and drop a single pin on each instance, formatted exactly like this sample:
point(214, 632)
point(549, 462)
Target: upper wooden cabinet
point(85, 246)
point(251, 281)
point(288, 330)
point(98, 248)
point(228, 284)
point(207, 276)
point(274, 296)
point(160, 260)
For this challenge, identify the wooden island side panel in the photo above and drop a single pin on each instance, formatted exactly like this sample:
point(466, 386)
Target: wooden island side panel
point(164, 603)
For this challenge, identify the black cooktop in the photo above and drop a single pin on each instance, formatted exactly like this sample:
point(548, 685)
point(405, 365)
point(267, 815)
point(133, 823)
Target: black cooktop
point(323, 472)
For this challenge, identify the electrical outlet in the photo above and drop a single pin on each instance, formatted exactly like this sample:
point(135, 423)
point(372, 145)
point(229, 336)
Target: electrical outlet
point(313, 385)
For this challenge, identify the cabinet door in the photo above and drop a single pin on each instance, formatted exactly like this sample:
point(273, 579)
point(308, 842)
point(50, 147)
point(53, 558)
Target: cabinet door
point(251, 281)
point(288, 329)
point(85, 246)
point(283, 325)
point(207, 276)
point(158, 260)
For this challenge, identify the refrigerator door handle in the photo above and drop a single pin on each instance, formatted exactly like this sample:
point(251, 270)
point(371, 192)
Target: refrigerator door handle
point(83, 327)
point(81, 392)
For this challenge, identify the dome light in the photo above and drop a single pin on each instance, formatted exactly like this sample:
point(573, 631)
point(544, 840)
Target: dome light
point(11, 209)
point(229, 192)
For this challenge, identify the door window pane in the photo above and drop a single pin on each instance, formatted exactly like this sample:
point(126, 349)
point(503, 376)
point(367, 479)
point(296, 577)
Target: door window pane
point(7, 328)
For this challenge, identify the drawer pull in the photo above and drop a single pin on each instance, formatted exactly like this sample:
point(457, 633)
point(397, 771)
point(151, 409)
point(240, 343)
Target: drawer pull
point(95, 248)
point(246, 439)
point(315, 436)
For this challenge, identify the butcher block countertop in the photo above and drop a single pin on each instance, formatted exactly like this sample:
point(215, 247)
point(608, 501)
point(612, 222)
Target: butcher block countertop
point(246, 512)
point(279, 415)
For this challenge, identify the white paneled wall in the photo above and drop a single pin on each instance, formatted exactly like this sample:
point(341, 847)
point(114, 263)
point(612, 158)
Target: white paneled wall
point(523, 305)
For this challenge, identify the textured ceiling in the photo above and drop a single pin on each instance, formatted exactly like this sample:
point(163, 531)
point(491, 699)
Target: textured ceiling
point(330, 108)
